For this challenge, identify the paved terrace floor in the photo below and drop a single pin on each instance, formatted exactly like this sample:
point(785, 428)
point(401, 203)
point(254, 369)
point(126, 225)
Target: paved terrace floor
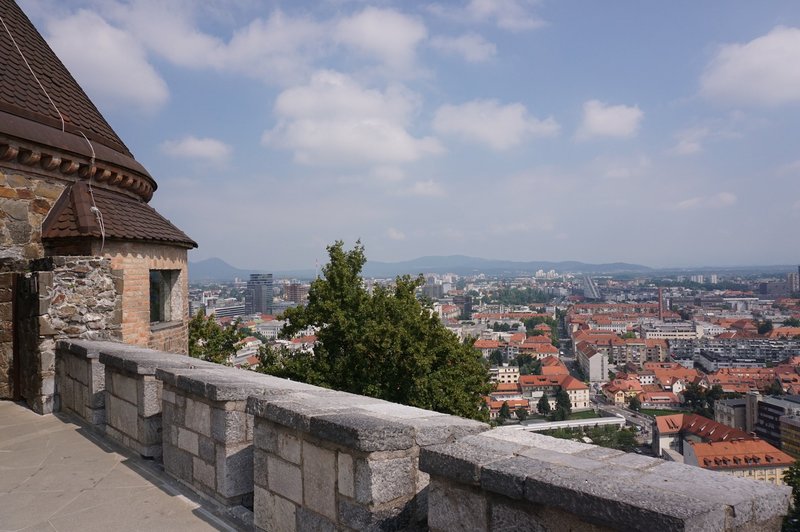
point(56, 476)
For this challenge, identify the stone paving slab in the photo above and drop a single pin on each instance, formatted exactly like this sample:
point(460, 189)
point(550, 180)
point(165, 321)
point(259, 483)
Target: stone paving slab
point(56, 476)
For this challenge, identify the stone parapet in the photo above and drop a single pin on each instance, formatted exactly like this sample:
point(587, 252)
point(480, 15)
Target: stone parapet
point(326, 460)
point(133, 394)
point(508, 479)
point(207, 435)
point(80, 382)
point(308, 458)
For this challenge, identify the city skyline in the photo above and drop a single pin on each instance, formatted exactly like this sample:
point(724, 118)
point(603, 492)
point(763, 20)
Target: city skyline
point(656, 135)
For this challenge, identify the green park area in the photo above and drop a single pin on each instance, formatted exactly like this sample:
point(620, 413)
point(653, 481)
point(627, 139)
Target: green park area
point(654, 412)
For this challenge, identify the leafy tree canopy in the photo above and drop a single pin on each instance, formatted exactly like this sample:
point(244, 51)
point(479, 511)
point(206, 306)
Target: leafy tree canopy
point(210, 341)
point(383, 344)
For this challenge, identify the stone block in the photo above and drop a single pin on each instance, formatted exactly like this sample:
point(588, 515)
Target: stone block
point(260, 467)
point(178, 463)
point(451, 507)
point(204, 473)
point(124, 387)
point(285, 479)
point(148, 430)
point(309, 521)
point(463, 459)
point(149, 396)
point(188, 441)
point(273, 513)
point(198, 417)
point(234, 470)
point(355, 516)
point(362, 432)
point(346, 475)
point(228, 426)
point(509, 517)
point(319, 480)
point(168, 396)
point(121, 415)
point(207, 449)
point(381, 481)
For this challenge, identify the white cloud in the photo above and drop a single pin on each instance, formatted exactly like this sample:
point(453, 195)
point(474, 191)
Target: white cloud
point(512, 15)
point(197, 148)
point(395, 234)
point(428, 188)
point(761, 72)
point(690, 141)
point(108, 62)
point(603, 120)
point(471, 46)
point(277, 50)
point(621, 168)
point(388, 174)
point(722, 199)
point(384, 34)
point(334, 120)
point(717, 201)
point(488, 122)
point(790, 168)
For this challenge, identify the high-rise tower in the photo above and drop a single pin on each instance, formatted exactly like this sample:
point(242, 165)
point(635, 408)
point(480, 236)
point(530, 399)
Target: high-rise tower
point(258, 296)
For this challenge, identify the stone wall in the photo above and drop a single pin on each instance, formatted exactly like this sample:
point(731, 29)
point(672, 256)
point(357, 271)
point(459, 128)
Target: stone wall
point(134, 261)
point(316, 459)
point(329, 460)
point(207, 435)
point(133, 394)
point(63, 297)
point(25, 201)
point(508, 479)
point(9, 269)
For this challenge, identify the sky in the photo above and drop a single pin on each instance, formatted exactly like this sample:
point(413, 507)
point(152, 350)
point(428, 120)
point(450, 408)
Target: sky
point(658, 133)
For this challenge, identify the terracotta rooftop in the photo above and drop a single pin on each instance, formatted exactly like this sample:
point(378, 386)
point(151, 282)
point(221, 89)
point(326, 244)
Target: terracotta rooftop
point(706, 429)
point(123, 218)
point(20, 94)
point(739, 454)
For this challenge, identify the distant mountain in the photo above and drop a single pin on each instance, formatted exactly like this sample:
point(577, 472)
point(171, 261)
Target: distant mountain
point(215, 269)
point(218, 270)
point(464, 265)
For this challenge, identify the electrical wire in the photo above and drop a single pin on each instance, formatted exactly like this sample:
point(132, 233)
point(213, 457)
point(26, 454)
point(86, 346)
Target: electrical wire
point(33, 73)
point(94, 208)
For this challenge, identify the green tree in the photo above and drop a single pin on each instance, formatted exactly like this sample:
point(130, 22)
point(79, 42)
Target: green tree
point(505, 411)
point(521, 413)
point(543, 406)
point(563, 403)
point(765, 327)
point(496, 357)
point(775, 388)
point(383, 344)
point(791, 322)
point(635, 404)
point(210, 341)
point(791, 477)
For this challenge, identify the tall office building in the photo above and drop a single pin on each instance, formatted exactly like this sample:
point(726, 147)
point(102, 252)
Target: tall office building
point(297, 292)
point(258, 296)
point(793, 280)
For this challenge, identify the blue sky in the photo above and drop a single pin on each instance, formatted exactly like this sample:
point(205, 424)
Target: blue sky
point(662, 133)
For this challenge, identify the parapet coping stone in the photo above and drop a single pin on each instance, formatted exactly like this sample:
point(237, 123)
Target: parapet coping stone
point(145, 361)
point(359, 422)
point(83, 348)
point(225, 383)
point(620, 490)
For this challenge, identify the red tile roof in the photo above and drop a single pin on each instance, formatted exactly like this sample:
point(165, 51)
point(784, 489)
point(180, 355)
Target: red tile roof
point(739, 454)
